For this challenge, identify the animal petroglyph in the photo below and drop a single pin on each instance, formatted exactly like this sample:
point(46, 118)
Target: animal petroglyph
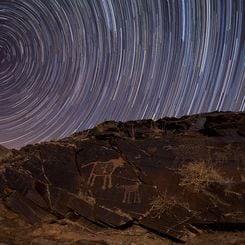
point(104, 170)
point(131, 193)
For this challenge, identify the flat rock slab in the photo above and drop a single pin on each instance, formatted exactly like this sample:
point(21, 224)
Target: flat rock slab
point(173, 177)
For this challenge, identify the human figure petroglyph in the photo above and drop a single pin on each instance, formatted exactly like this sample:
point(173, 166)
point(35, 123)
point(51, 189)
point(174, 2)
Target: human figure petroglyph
point(104, 170)
point(183, 152)
point(239, 155)
point(220, 153)
point(220, 156)
point(131, 192)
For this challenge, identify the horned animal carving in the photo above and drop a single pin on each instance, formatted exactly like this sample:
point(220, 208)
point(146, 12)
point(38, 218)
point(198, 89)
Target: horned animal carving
point(104, 170)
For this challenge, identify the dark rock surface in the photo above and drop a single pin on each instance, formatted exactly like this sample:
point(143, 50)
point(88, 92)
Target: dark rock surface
point(172, 177)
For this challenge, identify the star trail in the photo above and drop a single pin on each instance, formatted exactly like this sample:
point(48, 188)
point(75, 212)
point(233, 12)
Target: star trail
point(66, 66)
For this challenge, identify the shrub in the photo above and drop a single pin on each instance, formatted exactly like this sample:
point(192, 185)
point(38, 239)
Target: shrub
point(162, 205)
point(197, 176)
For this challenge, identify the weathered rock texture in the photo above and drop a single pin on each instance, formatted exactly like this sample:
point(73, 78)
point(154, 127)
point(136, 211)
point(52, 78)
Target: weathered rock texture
point(4, 153)
point(172, 177)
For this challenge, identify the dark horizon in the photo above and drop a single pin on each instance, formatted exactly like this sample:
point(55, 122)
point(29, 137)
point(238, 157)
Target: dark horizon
point(124, 122)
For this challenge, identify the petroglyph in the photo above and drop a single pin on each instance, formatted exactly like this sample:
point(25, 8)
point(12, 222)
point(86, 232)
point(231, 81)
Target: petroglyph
point(87, 196)
point(131, 193)
point(183, 153)
point(104, 170)
point(220, 156)
point(229, 193)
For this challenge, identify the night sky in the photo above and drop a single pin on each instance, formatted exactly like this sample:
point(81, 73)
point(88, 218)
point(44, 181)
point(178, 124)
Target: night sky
point(67, 65)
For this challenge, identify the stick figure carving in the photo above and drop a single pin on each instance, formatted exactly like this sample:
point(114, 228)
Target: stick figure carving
point(104, 170)
point(131, 193)
point(182, 153)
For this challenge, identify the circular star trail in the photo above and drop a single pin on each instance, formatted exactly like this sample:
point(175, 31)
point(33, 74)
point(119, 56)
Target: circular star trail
point(67, 65)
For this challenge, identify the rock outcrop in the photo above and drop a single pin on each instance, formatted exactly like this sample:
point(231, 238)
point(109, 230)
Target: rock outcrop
point(4, 153)
point(172, 177)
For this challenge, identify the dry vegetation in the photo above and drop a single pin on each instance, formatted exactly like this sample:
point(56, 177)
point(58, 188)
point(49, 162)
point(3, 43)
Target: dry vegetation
point(197, 176)
point(162, 204)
